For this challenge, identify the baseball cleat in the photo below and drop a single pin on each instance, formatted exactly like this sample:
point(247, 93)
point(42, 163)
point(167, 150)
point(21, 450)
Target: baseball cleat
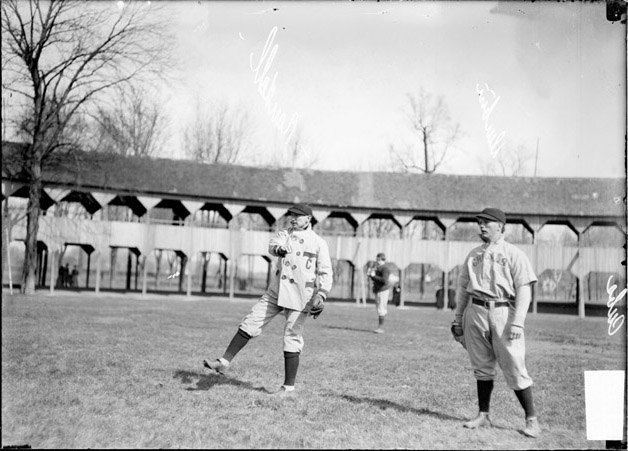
point(482, 421)
point(218, 365)
point(532, 428)
point(379, 331)
point(285, 392)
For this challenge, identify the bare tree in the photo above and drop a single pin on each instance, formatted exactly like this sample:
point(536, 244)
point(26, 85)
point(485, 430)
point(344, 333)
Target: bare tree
point(134, 124)
point(298, 154)
point(58, 56)
point(379, 228)
point(217, 134)
point(434, 133)
point(508, 162)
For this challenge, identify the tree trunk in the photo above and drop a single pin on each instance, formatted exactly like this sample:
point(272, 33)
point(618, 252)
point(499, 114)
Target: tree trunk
point(29, 270)
point(113, 263)
point(6, 236)
point(158, 253)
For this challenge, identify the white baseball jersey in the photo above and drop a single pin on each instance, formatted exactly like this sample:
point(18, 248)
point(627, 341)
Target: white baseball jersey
point(495, 271)
point(303, 272)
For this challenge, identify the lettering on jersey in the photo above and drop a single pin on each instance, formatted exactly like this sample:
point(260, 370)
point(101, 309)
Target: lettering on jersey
point(498, 258)
point(615, 320)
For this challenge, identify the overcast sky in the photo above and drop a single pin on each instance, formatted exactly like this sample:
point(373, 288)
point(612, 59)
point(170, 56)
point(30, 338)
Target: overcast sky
point(343, 69)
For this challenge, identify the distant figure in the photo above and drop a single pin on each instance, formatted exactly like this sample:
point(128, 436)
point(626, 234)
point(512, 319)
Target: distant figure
point(383, 280)
point(66, 275)
point(440, 298)
point(63, 274)
point(74, 278)
point(451, 298)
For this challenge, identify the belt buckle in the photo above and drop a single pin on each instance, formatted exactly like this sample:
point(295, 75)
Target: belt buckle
point(486, 304)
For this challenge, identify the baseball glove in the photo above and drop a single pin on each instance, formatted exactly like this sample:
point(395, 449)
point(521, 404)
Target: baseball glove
point(317, 306)
point(281, 251)
point(458, 334)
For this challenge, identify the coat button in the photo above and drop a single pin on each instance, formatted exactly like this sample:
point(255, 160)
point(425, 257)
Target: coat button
point(291, 280)
point(301, 241)
point(294, 267)
point(287, 263)
point(298, 253)
point(284, 277)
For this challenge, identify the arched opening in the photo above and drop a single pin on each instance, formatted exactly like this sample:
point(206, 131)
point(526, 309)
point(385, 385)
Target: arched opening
point(380, 226)
point(337, 224)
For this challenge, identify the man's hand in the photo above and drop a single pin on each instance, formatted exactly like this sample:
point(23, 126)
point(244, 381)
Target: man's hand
point(515, 333)
point(318, 304)
point(281, 251)
point(458, 333)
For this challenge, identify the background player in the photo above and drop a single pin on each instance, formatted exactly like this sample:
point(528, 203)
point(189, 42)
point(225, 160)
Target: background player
point(299, 287)
point(380, 275)
point(493, 296)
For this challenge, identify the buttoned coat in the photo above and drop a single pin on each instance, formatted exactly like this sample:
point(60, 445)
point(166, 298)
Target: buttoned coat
point(305, 271)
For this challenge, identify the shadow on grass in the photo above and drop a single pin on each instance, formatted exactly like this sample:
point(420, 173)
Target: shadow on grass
point(386, 404)
point(205, 382)
point(350, 328)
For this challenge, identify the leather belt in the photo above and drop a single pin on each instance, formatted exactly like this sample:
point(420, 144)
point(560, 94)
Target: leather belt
point(486, 303)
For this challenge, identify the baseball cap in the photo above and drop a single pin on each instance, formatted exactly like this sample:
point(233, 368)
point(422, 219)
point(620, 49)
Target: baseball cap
point(381, 255)
point(300, 210)
point(493, 214)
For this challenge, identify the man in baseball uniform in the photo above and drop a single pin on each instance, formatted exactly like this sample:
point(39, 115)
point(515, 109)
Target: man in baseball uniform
point(493, 296)
point(381, 289)
point(299, 287)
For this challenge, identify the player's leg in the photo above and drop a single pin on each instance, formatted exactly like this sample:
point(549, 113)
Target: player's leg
point(511, 357)
point(381, 300)
point(261, 314)
point(478, 343)
point(292, 346)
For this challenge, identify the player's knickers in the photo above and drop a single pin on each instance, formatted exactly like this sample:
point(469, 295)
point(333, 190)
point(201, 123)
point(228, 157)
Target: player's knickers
point(488, 346)
point(381, 302)
point(264, 311)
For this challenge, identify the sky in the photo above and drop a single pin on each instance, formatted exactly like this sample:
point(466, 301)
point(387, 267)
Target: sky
point(547, 78)
point(343, 69)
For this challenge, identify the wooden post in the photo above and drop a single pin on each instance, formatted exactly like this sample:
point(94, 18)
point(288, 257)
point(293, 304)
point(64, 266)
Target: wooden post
point(188, 268)
point(144, 274)
point(89, 260)
point(98, 271)
point(402, 295)
point(579, 293)
point(232, 265)
point(53, 273)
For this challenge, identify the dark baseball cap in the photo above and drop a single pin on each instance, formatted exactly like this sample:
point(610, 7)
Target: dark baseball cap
point(300, 210)
point(493, 214)
point(381, 255)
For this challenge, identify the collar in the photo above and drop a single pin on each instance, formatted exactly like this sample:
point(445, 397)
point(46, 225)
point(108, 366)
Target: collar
point(499, 240)
point(294, 229)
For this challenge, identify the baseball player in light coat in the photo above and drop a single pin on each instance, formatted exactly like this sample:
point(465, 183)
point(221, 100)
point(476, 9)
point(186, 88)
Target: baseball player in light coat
point(493, 297)
point(298, 288)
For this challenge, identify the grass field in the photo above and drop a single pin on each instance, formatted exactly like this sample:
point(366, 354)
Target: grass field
point(81, 370)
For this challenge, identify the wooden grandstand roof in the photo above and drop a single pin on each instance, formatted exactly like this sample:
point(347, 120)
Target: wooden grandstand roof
point(372, 191)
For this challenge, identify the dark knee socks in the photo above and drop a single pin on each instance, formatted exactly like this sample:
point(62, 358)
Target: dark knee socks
point(291, 366)
point(238, 341)
point(485, 388)
point(381, 321)
point(525, 398)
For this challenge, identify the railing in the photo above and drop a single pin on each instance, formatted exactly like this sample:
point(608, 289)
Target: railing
point(55, 232)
